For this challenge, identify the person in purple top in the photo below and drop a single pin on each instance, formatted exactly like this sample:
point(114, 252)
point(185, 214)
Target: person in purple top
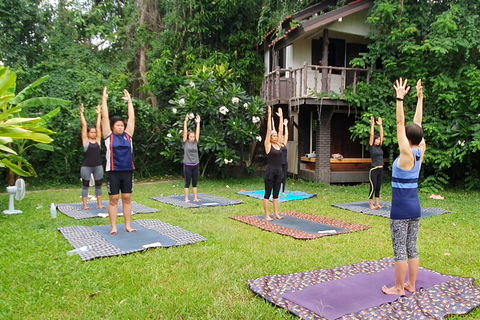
point(191, 159)
point(405, 214)
point(92, 162)
point(118, 142)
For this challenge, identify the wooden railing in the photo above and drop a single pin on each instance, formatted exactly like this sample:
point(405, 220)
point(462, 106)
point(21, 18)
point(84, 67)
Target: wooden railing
point(282, 85)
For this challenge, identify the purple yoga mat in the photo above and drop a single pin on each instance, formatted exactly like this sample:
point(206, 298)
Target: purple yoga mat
point(333, 299)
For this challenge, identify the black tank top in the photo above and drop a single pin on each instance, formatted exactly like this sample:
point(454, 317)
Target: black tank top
point(274, 157)
point(93, 156)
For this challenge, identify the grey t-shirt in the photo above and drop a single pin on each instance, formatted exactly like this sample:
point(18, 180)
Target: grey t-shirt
point(376, 153)
point(190, 152)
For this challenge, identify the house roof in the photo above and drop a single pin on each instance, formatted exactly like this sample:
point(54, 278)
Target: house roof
point(310, 26)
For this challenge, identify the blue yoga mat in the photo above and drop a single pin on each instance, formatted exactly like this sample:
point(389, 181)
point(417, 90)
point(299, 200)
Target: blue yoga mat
point(304, 225)
point(133, 241)
point(206, 200)
point(290, 195)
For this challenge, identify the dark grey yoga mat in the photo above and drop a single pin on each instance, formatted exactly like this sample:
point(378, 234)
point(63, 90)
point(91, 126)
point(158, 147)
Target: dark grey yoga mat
point(133, 241)
point(304, 225)
point(75, 210)
point(364, 207)
point(333, 299)
point(207, 200)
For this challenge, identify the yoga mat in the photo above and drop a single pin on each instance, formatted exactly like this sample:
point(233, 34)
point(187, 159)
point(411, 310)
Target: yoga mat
point(319, 294)
point(302, 226)
point(333, 299)
point(150, 233)
point(75, 210)
point(364, 207)
point(206, 200)
point(290, 195)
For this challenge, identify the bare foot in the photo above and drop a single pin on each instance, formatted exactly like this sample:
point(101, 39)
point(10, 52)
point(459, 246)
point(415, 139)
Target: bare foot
point(114, 231)
point(130, 230)
point(379, 206)
point(409, 287)
point(267, 217)
point(101, 207)
point(186, 200)
point(86, 208)
point(197, 200)
point(393, 290)
point(373, 207)
point(277, 216)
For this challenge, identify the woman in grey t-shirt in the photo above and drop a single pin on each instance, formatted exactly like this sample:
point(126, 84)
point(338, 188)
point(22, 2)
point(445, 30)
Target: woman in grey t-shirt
point(190, 157)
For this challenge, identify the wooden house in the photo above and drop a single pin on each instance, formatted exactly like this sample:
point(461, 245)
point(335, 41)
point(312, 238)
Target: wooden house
point(306, 72)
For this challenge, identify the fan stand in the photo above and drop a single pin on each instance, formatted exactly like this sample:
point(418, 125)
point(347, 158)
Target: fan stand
point(11, 210)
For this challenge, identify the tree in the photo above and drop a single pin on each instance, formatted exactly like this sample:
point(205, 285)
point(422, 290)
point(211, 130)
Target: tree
point(439, 42)
point(230, 119)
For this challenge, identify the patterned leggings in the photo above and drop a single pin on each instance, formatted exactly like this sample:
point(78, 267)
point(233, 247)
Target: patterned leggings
point(404, 238)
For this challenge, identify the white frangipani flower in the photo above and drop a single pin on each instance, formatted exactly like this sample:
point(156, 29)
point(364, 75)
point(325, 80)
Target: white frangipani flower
point(259, 139)
point(169, 135)
point(225, 160)
point(255, 119)
point(235, 100)
point(461, 143)
point(192, 84)
point(223, 110)
point(174, 110)
point(230, 161)
point(191, 116)
point(181, 102)
point(245, 105)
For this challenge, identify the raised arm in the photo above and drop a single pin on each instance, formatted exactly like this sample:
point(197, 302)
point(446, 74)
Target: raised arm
point(105, 118)
point(280, 125)
point(99, 123)
point(380, 124)
point(84, 125)
point(419, 114)
point(285, 133)
point(405, 160)
point(419, 111)
point(372, 130)
point(197, 129)
point(131, 113)
point(266, 142)
point(185, 128)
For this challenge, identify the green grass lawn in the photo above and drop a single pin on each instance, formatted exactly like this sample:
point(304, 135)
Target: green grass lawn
point(207, 280)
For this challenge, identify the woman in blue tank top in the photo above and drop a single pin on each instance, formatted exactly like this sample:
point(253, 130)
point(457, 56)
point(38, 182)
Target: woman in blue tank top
point(406, 210)
point(92, 162)
point(118, 142)
point(273, 172)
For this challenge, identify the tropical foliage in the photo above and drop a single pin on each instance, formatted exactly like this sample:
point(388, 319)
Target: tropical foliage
point(439, 42)
point(17, 132)
point(230, 119)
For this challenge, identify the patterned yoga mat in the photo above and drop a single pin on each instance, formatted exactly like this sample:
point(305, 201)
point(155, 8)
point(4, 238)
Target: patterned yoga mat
point(206, 200)
point(289, 195)
point(98, 242)
point(75, 210)
point(333, 293)
point(301, 225)
point(364, 207)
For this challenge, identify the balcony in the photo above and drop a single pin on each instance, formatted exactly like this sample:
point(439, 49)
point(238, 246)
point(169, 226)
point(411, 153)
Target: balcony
point(282, 86)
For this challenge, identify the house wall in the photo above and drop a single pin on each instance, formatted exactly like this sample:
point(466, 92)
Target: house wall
point(354, 24)
point(266, 60)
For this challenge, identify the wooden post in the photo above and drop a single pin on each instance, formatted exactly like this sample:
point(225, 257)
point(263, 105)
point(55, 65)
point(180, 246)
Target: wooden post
point(326, 43)
point(305, 82)
point(277, 82)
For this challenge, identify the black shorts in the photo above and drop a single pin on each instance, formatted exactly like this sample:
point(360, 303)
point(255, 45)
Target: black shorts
point(119, 181)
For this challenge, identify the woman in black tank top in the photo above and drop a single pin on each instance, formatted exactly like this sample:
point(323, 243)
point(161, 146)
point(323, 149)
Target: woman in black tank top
point(375, 175)
point(273, 172)
point(92, 162)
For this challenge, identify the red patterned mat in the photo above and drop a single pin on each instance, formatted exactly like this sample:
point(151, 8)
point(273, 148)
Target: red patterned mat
point(299, 234)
